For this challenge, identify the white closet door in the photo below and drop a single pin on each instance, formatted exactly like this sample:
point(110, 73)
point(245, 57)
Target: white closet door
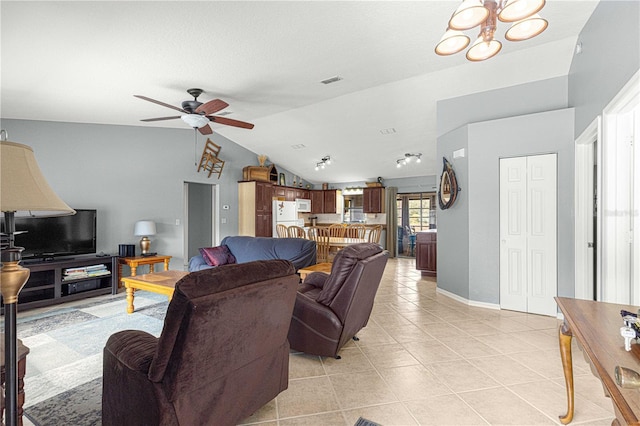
point(513, 234)
point(528, 247)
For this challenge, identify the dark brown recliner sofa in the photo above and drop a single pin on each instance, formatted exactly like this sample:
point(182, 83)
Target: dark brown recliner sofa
point(222, 354)
point(331, 309)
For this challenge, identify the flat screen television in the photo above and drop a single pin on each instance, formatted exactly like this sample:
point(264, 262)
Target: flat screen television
point(57, 236)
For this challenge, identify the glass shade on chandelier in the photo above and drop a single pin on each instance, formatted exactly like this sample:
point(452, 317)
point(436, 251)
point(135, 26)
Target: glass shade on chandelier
point(195, 120)
point(526, 28)
point(486, 13)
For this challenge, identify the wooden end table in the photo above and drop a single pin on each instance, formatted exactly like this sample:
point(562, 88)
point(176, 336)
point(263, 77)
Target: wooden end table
point(318, 267)
point(22, 366)
point(134, 262)
point(159, 282)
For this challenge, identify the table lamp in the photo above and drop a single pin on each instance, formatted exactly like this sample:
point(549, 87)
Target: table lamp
point(144, 228)
point(23, 192)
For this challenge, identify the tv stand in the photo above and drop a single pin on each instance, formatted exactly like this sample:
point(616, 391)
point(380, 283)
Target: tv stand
point(50, 282)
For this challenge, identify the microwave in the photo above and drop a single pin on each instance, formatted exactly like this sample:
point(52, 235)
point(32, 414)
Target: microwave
point(303, 206)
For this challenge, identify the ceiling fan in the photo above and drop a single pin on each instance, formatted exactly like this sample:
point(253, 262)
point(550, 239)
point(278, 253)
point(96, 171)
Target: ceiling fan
point(197, 114)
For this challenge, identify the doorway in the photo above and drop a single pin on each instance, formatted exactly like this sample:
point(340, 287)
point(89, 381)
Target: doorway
point(620, 266)
point(528, 234)
point(200, 218)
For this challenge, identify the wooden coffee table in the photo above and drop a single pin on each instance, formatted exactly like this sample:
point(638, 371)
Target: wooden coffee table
point(318, 267)
point(158, 282)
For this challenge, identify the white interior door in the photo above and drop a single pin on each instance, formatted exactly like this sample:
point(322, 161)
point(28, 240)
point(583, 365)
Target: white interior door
point(528, 229)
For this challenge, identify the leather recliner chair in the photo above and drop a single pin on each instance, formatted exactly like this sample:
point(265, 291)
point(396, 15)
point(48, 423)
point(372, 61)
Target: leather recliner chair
point(331, 309)
point(222, 354)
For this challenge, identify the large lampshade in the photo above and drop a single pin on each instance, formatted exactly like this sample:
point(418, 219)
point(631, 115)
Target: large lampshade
point(144, 228)
point(24, 189)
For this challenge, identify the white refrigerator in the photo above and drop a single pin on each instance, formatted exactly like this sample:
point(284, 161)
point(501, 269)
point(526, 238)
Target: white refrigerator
point(285, 213)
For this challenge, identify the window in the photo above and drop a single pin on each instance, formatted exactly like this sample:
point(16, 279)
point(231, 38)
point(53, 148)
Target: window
point(417, 211)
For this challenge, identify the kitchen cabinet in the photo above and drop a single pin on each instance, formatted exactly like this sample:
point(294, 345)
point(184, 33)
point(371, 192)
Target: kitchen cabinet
point(255, 209)
point(426, 245)
point(373, 200)
point(329, 196)
point(317, 201)
point(289, 193)
point(326, 201)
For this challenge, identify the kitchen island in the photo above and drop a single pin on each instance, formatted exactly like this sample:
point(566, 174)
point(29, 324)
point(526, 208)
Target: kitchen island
point(426, 250)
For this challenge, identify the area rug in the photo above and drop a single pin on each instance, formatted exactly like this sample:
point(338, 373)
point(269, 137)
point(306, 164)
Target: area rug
point(81, 405)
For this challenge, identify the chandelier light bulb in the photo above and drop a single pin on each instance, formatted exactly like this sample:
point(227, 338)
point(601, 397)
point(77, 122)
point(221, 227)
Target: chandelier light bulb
point(398, 165)
point(469, 14)
point(482, 50)
point(453, 41)
point(418, 160)
point(516, 10)
point(526, 28)
point(317, 168)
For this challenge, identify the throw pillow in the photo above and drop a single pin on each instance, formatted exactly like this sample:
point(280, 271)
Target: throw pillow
point(216, 256)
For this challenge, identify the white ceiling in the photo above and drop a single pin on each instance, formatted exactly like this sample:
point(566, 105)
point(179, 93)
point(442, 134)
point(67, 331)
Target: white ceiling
point(83, 62)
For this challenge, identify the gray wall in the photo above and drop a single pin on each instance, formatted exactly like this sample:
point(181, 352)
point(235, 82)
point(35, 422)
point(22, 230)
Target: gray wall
point(200, 202)
point(453, 223)
point(129, 173)
point(610, 57)
point(529, 98)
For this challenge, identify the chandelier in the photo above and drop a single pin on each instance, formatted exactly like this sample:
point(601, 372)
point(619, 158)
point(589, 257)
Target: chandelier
point(485, 13)
point(407, 159)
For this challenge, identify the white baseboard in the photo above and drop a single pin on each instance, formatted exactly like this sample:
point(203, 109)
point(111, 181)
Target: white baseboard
point(467, 301)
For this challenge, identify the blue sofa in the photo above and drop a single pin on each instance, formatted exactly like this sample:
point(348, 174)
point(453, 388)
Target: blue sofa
point(300, 252)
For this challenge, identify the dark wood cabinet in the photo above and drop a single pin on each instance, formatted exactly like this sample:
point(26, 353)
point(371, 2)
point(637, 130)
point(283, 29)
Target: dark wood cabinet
point(317, 201)
point(289, 193)
point(329, 200)
point(426, 248)
point(373, 200)
point(255, 209)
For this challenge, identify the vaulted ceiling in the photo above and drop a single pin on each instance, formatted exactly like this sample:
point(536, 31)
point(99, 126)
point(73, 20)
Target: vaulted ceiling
point(83, 62)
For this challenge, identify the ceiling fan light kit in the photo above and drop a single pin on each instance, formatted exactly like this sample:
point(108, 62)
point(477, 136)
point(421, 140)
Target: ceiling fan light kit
point(197, 114)
point(485, 13)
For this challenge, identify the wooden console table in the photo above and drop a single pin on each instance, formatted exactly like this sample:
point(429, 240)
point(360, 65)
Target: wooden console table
point(596, 325)
point(134, 262)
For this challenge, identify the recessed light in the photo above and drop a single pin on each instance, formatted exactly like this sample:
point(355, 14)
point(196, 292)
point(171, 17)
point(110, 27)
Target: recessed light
point(331, 80)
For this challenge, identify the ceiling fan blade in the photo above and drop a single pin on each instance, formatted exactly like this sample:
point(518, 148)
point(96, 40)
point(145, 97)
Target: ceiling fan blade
point(205, 130)
point(230, 122)
point(160, 118)
point(160, 103)
point(212, 106)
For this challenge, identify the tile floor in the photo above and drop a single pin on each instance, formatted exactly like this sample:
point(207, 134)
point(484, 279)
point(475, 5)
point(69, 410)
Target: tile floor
point(426, 359)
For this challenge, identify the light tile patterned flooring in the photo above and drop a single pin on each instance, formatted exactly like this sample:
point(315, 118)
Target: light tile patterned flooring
point(426, 359)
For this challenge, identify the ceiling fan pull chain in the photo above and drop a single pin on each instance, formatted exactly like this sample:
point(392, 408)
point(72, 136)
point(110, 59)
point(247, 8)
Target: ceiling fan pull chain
point(195, 147)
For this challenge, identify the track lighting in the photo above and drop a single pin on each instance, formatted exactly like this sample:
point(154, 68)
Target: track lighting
point(407, 159)
point(326, 160)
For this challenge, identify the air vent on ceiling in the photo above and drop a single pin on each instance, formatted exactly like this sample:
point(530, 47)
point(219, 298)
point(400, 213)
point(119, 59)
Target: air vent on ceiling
point(298, 146)
point(220, 114)
point(331, 80)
